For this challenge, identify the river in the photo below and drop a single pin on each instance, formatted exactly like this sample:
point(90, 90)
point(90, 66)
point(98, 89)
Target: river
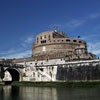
point(48, 93)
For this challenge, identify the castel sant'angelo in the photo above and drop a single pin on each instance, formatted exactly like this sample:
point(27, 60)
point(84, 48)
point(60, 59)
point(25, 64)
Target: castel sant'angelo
point(55, 56)
point(57, 45)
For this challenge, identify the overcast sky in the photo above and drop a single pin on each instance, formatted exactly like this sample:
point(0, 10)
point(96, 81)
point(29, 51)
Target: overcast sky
point(22, 20)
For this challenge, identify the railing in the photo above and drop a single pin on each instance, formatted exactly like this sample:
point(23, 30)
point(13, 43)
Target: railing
point(11, 65)
point(57, 63)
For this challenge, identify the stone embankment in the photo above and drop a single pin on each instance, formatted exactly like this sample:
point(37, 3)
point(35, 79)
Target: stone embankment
point(67, 84)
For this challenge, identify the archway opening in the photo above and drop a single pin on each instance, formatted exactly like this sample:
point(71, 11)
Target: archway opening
point(12, 74)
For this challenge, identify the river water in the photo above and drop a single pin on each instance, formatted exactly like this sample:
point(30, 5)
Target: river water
point(48, 93)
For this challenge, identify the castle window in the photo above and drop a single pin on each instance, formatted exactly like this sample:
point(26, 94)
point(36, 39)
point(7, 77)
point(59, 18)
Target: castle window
point(33, 74)
point(37, 39)
point(43, 41)
point(54, 35)
point(74, 41)
point(62, 40)
point(45, 36)
point(41, 37)
point(49, 36)
point(41, 69)
point(80, 41)
point(67, 40)
point(49, 40)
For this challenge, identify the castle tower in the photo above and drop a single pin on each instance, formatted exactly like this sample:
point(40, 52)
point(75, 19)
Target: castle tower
point(56, 44)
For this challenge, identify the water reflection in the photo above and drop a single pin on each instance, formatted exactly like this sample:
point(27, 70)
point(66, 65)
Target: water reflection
point(42, 93)
point(79, 94)
point(37, 93)
point(9, 93)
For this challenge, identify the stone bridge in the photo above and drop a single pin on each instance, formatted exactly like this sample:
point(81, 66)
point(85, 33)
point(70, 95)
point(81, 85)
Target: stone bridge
point(15, 71)
point(52, 70)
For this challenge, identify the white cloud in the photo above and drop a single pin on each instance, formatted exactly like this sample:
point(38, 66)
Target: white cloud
point(11, 51)
point(21, 54)
point(26, 42)
point(95, 49)
point(74, 23)
point(93, 16)
point(93, 42)
point(24, 49)
point(29, 39)
point(91, 37)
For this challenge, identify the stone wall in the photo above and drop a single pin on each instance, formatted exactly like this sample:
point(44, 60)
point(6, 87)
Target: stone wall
point(84, 72)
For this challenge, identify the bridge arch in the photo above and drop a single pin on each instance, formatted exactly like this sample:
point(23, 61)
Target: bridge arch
point(15, 74)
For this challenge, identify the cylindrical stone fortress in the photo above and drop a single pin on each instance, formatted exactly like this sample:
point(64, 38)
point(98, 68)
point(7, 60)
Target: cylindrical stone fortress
point(56, 44)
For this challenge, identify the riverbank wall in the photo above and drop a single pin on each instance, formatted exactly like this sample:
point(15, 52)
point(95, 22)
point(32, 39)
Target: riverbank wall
point(68, 84)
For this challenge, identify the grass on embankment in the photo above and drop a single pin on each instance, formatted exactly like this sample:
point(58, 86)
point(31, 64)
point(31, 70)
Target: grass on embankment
point(59, 84)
